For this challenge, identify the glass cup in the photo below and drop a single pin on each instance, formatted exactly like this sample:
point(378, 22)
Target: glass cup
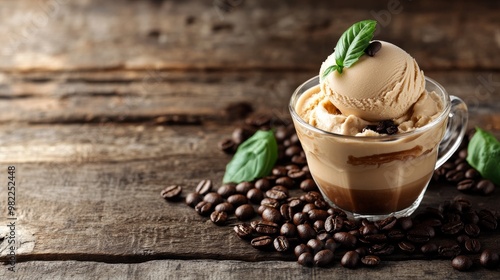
point(375, 177)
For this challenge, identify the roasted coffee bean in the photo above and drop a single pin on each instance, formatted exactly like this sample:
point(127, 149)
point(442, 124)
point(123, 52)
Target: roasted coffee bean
point(321, 204)
point(323, 258)
point(405, 223)
point(299, 159)
point(334, 224)
point(270, 202)
point(431, 222)
point(306, 232)
point(486, 186)
point(281, 133)
point(244, 212)
point(277, 194)
point(489, 259)
point(370, 260)
point(204, 208)
point(237, 200)
point(465, 185)
point(472, 245)
point(225, 207)
point(261, 209)
point(317, 214)
point(227, 190)
point(350, 259)
point(204, 187)
point(228, 146)
point(266, 227)
point(429, 249)
point(449, 250)
point(279, 171)
point(362, 251)
point(295, 204)
point(255, 195)
point(452, 228)
point(193, 198)
point(293, 150)
point(243, 231)
point(350, 225)
point(286, 212)
point(331, 244)
point(433, 213)
point(171, 192)
point(461, 263)
point(376, 238)
point(464, 166)
point(308, 207)
point(382, 249)
point(244, 187)
point(306, 259)
point(323, 236)
point(319, 226)
point(472, 230)
point(288, 230)
point(308, 185)
point(213, 198)
point(368, 230)
point(472, 174)
point(454, 175)
point(346, 239)
point(218, 217)
point(387, 223)
point(373, 48)
point(286, 182)
point(281, 244)
point(418, 235)
point(462, 238)
point(406, 247)
point(470, 218)
point(259, 120)
point(315, 245)
point(263, 184)
point(297, 174)
point(300, 218)
point(262, 242)
point(300, 249)
point(241, 134)
point(395, 235)
point(487, 220)
point(271, 215)
point(430, 230)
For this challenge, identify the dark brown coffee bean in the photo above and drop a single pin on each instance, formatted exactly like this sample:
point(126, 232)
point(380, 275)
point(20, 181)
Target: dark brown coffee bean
point(280, 171)
point(461, 263)
point(395, 235)
point(466, 185)
point(418, 235)
point(308, 185)
point(317, 214)
point(241, 134)
point(362, 251)
point(262, 242)
point(487, 220)
point(430, 230)
point(350, 225)
point(464, 166)
point(462, 238)
point(449, 250)
point(288, 230)
point(406, 247)
point(472, 174)
point(370, 260)
point(315, 245)
point(300, 218)
point(237, 200)
point(204, 187)
point(452, 228)
point(281, 133)
point(373, 48)
point(193, 198)
point(331, 245)
point(405, 223)
point(376, 238)
point(227, 190)
point(286, 182)
point(243, 231)
point(218, 217)
point(276, 194)
point(297, 174)
point(323, 258)
point(300, 249)
point(486, 186)
point(295, 204)
point(266, 227)
point(225, 207)
point(203, 208)
point(346, 239)
point(293, 150)
point(319, 226)
point(306, 259)
point(472, 230)
point(263, 184)
point(489, 259)
point(308, 207)
point(470, 218)
point(387, 223)
point(286, 212)
point(369, 229)
point(431, 222)
point(323, 236)
point(244, 187)
point(270, 202)
point(281, 188)
point(228, 146)
point(255, 195)
point(472, 245)
point(382, 249)
point(334, 224)
point(350, 259)
point(213, 198)
point(454, 175)
point(301, 160)
point(306, 232)
point(321, 204)
point(271, 215)
point(429, 249)
point(244, 212)
point(281, 244)
point(171, 192)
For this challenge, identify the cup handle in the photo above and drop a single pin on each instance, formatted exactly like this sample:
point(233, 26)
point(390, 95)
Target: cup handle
point(455, 130)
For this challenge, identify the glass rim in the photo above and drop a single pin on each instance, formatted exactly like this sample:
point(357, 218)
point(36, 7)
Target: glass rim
point(295, 96)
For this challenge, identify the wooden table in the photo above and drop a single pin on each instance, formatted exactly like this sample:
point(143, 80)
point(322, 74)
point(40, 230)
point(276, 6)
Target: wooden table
point(105, 104)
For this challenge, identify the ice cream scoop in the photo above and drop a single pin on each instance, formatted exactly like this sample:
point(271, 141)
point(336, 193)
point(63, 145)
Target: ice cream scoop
point(376, 88)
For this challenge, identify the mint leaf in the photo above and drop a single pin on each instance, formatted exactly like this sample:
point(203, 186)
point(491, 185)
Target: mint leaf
point(254, 158)
point(329, 70)
point(483, 153)
point(352, 44)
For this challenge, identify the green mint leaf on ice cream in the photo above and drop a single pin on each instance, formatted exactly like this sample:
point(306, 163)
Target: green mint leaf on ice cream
point(351, 45)
point(254, 158)
point(483, 153)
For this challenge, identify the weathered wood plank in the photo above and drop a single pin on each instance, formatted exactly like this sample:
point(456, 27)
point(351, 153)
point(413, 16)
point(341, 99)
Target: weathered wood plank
point(59, 34)
point(225, 270)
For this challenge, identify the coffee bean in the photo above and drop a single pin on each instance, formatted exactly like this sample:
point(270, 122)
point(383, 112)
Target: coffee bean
point(306, 232)
point(288, 230)
point(350, 259)
point(241, 134)
point(299, 160)
point(454, 175)
point(472, 174)
point(472, 245)
point(266, 227)
point(317, 214)
point(280, 171)
point(204, 187)
point(470, 217)
point(395, 235)
point(171, 192)
point(255, 195)
point(418, 235)
point(300, 249)
point(297, 174)
point(282, 189)
point(373, 48)
point(203, 208)
point(193, 198)
point(308, 185)
point(346, 239)
point(331, 245)
point(213, 198)
point(489, 259)
point(281, 244)
point(382, 249)
point(263, 184)
point(449, 250)
point(362, 251)
point(406, 247)
point(286, 212)
point(429, 249)
point(487, 220)
point(452, 227)
point(405, 223)
point(243, 231)
point(466, 185)
point(286, 182)
point(226, 190)
point(462, 238)
point(276, 194)
point(323, 236)
point(225, 207)
point(387, 223)
point(321, 204)
point(315, 245)
point(308, 207)
point(461, 263)
point(486, 186)
point(300, 218)
point(244, 212)
point(262, 242)
point(270, 202)
point(244, 187)
point(271, 215)
point(323, 258)
point(376, 238)
point(218, 217)
point(228, 146)
point(237, 200)
point(370, 260)
point(368, 230)
point(306, 259)
point(334, 224)
point(472, 230)
point(319, 226)
point(295, 204)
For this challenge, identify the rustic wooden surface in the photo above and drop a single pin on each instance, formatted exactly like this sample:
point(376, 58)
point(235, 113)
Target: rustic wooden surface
point(103, 104)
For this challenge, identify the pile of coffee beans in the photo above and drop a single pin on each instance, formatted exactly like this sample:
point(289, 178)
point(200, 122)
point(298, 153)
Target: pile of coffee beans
point(459, 173)
point(285, 212)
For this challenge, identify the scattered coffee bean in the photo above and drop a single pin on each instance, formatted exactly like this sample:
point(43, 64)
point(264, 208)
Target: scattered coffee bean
point(406, 247)
point(288, 230)
point(226, 190)
point(489, 259)
point(237, 199)
point(472, 173)
point(244, 187)
point(461, 263)
point(262, 242)
point(281, 244)
point(452, 227)
point(300, 218)
point(228, 146)
point(171, 192)
point(277, 194)
point(315, 245)
point(244, 212)
point(193, 198)
point(204, 187)
point(225, 207)
point(449, 250)
point(306, 259)
point(486, 187)
point(213, 197)
point(271, 215)
point(346, 239)
point(418, 235)
point(308, 185)
point(466, 185)
point(370, 260)
point(243, 231)
point(462, 238)
point(323, 258)
point(319, 226)
point(429, 249)
point(317, 214)
point(373, 48)
point(350, 259)
point(218, 217)
point(472, 230)
point(270, 202)
point(306, 232)
point(266, 227)
point(263, 184)
point(203, 208)
point(472, 245)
